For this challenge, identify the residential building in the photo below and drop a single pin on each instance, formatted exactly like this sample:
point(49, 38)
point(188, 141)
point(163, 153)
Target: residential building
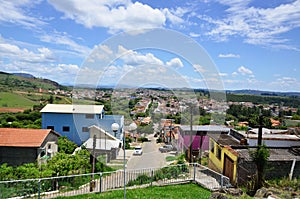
point(73, 121)
point(229, 154)
point(105, 143)
point(196, 138)
point(19, 146)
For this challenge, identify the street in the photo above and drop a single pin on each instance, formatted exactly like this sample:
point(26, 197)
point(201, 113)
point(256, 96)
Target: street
point(151, 158)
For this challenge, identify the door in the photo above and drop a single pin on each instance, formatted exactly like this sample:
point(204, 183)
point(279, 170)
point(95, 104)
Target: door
point(228, 167)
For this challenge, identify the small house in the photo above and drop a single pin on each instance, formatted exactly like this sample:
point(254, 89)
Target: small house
point(19, 146)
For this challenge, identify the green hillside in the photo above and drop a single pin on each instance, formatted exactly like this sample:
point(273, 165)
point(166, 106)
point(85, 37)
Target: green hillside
point(13, 100)
point(23, 92)
point(10, 82)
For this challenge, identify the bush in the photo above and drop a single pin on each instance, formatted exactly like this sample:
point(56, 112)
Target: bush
point(143, 139)
point(141, 179)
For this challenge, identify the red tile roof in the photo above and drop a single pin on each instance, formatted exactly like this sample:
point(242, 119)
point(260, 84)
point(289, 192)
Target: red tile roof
point(17, 137)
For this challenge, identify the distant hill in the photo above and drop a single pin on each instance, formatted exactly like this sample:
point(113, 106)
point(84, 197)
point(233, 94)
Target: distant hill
point(26, 82)
point(263, 93)
point(23, 75)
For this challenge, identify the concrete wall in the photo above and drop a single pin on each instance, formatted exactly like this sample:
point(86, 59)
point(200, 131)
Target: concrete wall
point(274, 143)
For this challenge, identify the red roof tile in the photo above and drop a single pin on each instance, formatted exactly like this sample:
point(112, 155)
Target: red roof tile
point(17, 137)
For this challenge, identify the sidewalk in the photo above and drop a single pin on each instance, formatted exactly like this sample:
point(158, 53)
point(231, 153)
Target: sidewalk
point(128, 154)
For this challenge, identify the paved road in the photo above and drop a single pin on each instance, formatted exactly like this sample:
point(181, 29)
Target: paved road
point(151, 157)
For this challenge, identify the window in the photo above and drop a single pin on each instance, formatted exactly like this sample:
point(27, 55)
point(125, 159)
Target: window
point(212, 146)
point(218, 153)
point(66, 128)
point(89, 116)
point(50, 127)
point(85, 129)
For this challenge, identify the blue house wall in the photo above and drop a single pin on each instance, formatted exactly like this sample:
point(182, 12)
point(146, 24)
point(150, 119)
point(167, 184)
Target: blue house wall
point(78, 124)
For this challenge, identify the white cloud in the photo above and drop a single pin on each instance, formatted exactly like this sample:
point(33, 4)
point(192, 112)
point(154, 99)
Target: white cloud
point(234, 74)
point(14, 12)
point(230, 55)
point(13, 53)
point(115, 15)
point(192, 34)
point(131, 57)
point(223, 74)
point(175, 62)
point(65, 40)
point(245, 71)
point(173, 18)
point(198, 68)
point(285, 84)
point(259, 26)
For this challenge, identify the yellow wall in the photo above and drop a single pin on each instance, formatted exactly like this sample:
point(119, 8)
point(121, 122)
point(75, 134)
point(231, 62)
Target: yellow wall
point(219, 163)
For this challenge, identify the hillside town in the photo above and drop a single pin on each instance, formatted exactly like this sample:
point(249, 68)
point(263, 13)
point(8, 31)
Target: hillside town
point(149, 99)
point(172, 120)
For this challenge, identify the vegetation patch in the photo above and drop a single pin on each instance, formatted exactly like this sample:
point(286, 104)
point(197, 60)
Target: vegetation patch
point(13, 100)
point(187, 191)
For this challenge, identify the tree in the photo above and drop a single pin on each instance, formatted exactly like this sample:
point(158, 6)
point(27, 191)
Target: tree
point(260, 158)
point(148, 129)
point(65, 145)
point(27, 171)
point(6, 172)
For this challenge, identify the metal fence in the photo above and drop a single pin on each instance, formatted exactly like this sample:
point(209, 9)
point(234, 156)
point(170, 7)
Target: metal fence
point(101, 182)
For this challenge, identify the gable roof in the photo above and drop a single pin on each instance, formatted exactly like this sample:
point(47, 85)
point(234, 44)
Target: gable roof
point(72, 108)
point(17, 137)
point(101, 133)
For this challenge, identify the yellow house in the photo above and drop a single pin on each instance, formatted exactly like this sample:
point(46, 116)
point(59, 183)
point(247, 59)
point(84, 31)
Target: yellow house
point(222, 158)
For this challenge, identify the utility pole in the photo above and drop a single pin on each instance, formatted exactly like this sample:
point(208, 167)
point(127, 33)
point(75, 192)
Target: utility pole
point(93, 152)
point(259, 138)
point(191, 132)
point(200, 151)
point(92, 183)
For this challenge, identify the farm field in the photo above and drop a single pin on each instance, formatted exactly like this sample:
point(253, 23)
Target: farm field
point(13, 101)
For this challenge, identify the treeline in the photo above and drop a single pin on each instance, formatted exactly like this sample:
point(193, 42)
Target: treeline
point(26, 119)
point(240, 113)
point(293, 101)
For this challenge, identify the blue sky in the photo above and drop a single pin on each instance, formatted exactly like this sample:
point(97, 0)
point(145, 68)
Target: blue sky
point(253, 44)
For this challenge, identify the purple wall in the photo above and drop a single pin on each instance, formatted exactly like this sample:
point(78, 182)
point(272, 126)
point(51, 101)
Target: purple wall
point(195, 141)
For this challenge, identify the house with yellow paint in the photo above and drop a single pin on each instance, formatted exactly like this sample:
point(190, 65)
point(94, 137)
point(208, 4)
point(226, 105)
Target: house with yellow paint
point(222, 157)
point(229, 155)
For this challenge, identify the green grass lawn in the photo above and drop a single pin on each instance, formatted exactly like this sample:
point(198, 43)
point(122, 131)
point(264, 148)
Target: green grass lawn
point(172, 191)
point(13, 100)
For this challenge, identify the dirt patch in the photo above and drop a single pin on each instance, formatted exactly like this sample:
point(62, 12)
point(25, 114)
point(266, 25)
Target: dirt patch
point(11, 110)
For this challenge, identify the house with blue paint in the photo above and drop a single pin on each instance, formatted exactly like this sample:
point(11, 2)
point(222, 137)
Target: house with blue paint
point(74, 120)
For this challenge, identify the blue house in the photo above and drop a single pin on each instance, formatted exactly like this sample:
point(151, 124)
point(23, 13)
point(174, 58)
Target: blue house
point(73, 120)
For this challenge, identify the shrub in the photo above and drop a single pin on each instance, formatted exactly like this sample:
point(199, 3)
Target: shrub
point(141, 179)
point(143, 139)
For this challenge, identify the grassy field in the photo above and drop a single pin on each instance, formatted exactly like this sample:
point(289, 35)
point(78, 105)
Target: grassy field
point(173, 191)
point(13, 100)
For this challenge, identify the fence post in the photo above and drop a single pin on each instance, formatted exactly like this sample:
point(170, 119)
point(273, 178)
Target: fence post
point(100, 183)
point(194, 172)
point(152, 174)
point(39, 188)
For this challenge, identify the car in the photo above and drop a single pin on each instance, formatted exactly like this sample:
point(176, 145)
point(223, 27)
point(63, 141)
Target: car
point(165, 148)
point(138, 150)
